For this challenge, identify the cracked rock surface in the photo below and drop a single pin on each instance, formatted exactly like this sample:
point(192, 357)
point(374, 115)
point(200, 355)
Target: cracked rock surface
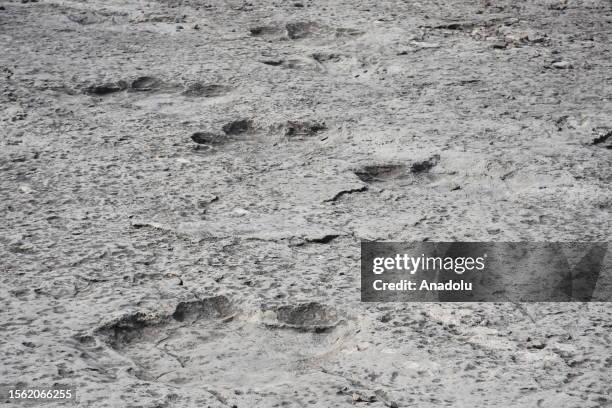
point(185, 185)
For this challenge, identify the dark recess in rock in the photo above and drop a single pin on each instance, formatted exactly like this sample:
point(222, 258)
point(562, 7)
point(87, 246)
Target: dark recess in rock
point(128, 328)
point(310, 317)
point(454, 25)
point(324, 57)
point(604, 139)
point(300, 29)
point(425, 165)
point(145, 83)
point(216, 307)
point(326, 239)
point(264, 30)
point(209, 138)
point(205, 90)
point(349, 191)
point(106, 89)
point(380, 172)
point(85, 339)
point(237, 127)
point(297, 128)
point(273, 63)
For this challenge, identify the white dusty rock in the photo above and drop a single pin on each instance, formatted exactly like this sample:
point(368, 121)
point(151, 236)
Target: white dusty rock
point(182, 209)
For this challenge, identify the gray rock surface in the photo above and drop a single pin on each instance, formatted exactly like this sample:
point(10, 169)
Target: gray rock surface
point(153, 268)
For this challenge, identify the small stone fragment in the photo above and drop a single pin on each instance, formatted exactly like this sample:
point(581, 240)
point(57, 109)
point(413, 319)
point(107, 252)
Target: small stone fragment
point(562, 65)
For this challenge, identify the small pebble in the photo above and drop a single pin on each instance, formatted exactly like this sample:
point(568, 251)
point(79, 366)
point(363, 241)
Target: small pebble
point(562, 65)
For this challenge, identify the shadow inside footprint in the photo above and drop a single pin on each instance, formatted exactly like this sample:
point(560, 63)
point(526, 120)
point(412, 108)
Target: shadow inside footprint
point(603, 139)
point(310, 317)
point(262, 31)
point(209, 138)
point(425, 165)
point(130, 327)
point(142, 326)
point(216, 307)
point(205, 90)
point(383, 172)
point(146, 83)
point(305, 128)
point(106, 88)
point(323, 57)
point(273, 62)
point(300, 29)
point(237, 127)
point(380, 172)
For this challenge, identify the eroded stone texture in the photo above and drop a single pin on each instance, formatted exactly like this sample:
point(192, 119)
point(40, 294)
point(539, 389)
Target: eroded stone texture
point(181, 222)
